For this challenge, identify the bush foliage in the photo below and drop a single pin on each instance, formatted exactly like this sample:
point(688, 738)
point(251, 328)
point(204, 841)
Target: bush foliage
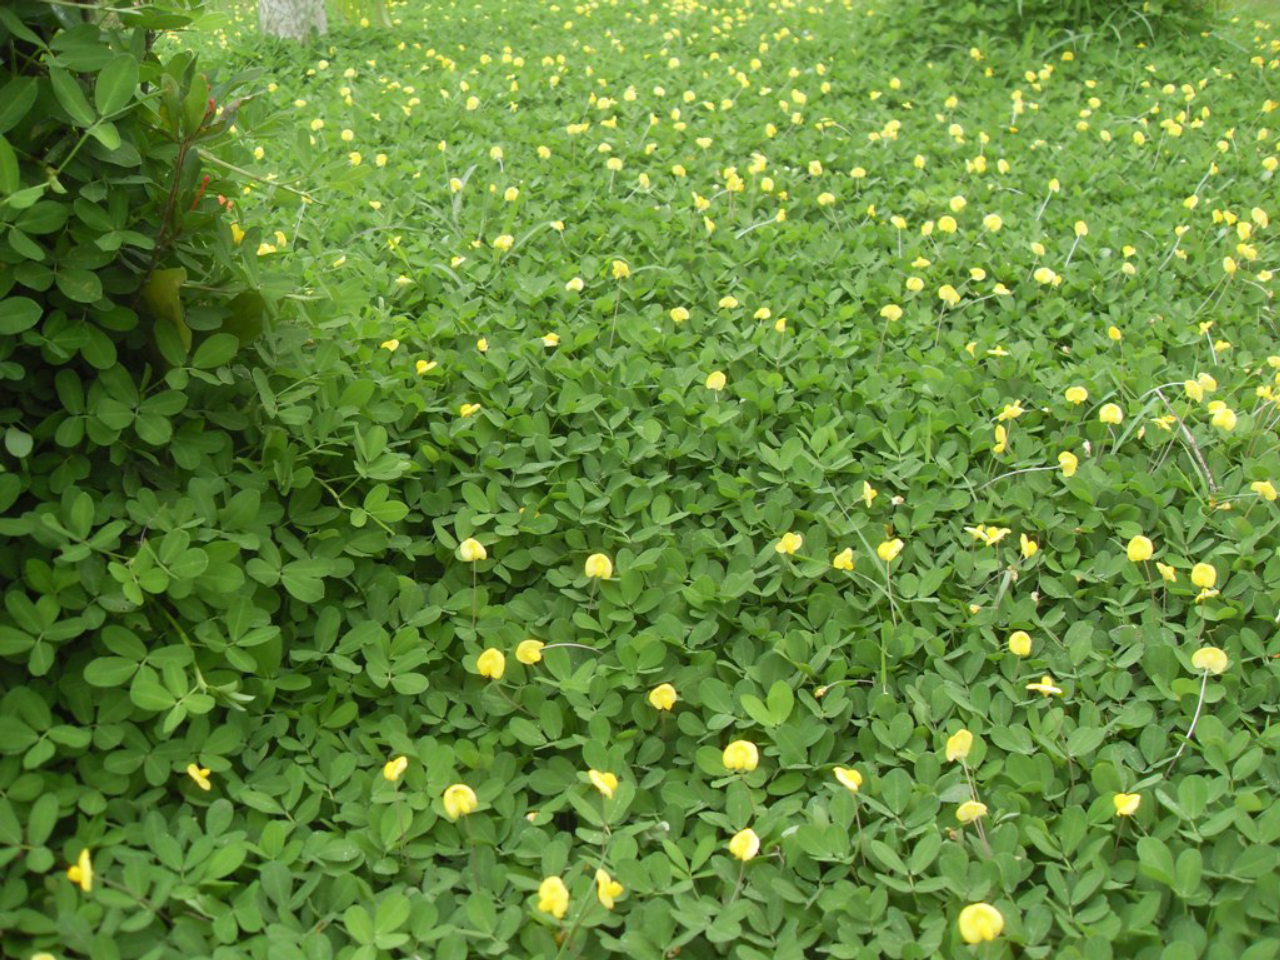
point(685, 422)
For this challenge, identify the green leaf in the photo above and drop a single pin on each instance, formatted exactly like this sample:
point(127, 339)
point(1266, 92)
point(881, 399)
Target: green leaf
point(115, 85)
point(215, 351)
point(9, 181)
point(70, 95)
point(18, 314)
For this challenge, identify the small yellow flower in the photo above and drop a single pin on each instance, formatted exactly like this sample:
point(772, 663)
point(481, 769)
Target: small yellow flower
point(529, 651)
point(679, 314)
point(1212, 659)
point(1224, 419)
point(848, 778)
point(843, 560)
point(575, 285)
point(891, 312)
point(237, 234)
point(970, 811)
point(1264, 489)
point(716, 380)
point(81, 872)
point(889, 550)
point(620, 270)
point(491, 664)
point(1140, 548)
point(553, 897)
point(504, 242)
point(1028, 546)
point(1126, 804)
point(1167, 573)
point(469, 551)
point(1045, 687)
point(1111, 414)
point(745, 844)
point(607, 889)
point(741, 755)
point(468, 409)
point(1069, 463)
point(728, 303)
point(663, 697)
point(869, 493)
point(200, 775)
point(789, 543)
point(551, 339)
point(958, 745)
point(425, 366)
point(482, 345)
point(948, 295)
point(992, 222)
point(1113, 333)
point(1077, 395)
point(980, 922)
point(598, 567)
point(1204, 576)
point(606, 783)
point(394, 769)
point(1020, 643)
point(459, 800)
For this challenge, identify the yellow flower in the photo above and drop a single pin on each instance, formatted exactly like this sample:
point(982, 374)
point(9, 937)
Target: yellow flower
point(1167, 572)
point(425, 366)
point(848, 778)
point(745, 844)
point(1114, 333)
point(529, 651)
point(394, 769)
point(1069, 462)
point(970, 811)
point(1139, 549)
point(553, 897)
point(869, 493)
point(607, 889)
point(889, 550)
point(491, 664)
point(1264, 489)
point(663, 697)
point(468, 409)
point(470, 551)
point(843, 560)
point(1020, 643)
point(200, 775)
point(455, 185)
point(575, 285)
point(1011, 411)
point(237, 234)
point(459, 800)
point(679, 314)
point(1111, 413)
point(1193, 390)
point(1211, 659)
point(992, 222)
point(716, 380)
point(606, 783)
point(741, 755)
point(551, 339)
point(620, 270)
point(1204, 576)
point(1126, 804)
point(891, 312)
point(1045, 687)
point(789, 544)
point(1077, 395)
point(958, 745)
point(482, 345)
point(979, 922)
point(81, 872)
point(511, 194)
point(598, 567)
point(1029, 547)
point(948, 295)
point(1224, 419)
point(728, 303)
point(504, 242)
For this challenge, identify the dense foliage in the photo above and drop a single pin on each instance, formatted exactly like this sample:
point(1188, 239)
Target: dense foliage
point(686, 421)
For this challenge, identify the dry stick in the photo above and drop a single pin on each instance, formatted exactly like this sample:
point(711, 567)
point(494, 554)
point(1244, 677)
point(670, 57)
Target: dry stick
point(1191, 442)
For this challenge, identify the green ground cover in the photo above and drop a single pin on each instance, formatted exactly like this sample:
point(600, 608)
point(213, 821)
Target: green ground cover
point(918, 398)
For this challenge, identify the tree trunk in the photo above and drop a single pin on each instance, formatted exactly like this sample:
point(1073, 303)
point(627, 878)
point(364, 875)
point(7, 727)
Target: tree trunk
point(294, 19)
